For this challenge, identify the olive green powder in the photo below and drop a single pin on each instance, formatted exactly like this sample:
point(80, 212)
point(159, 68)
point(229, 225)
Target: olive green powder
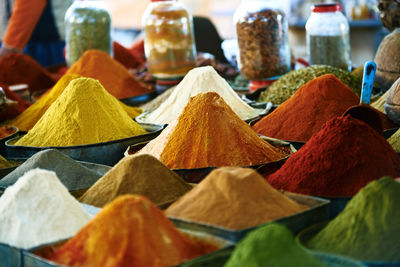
point(368, 229)
point(287, 85)
point(271, 245)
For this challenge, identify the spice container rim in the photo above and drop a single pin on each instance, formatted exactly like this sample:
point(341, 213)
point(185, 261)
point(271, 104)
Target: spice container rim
point(237, 235)
point(306, 234)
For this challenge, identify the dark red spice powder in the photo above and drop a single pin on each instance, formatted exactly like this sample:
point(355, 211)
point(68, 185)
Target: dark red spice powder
point(19, 68)
point(137, 49)
point(127, 58)
point(338, 161)
point(14, 110)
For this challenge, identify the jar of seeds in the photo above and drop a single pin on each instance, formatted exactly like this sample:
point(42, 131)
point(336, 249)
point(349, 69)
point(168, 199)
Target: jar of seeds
point(87, 26)
point(262, 34)
point(328, 41)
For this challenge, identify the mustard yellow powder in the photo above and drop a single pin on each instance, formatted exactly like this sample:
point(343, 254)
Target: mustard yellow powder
point(27, 119)
point(84, 113)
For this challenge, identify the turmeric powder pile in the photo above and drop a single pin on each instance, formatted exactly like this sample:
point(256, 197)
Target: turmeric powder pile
point(84, 113)
point(234, 198)
point(26, 120)
point(140, 174)
point(130, 231)
point(115, 78)
point(208, 133)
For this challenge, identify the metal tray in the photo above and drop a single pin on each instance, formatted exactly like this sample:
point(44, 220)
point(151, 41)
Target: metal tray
point(107, 153)
point(139, 100)
point(304, 236)
point(318, 212)
point(30, 259)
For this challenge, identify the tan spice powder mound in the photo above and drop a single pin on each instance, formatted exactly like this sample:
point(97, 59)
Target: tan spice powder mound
point(130, 231)
point(140, 174)
point(208, 133)
point(234, 198)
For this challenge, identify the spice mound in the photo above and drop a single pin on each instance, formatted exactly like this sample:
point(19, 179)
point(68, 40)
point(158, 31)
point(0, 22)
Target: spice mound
point(22, 69)
point(338, 161)
point(72, 174)
point(199, 80)
point(209, 134)
point(394, 141)
point(113, 76)
point(368, 228)
point(379, 104)
point(38, 209)
point(84, 113)
point(287, 85)
point(26, 120)
point(140, 174)
point(4, 163)
point(271, 245)
point(127, 58)
point(130, 231)
point(234, 198)
point(303, 114)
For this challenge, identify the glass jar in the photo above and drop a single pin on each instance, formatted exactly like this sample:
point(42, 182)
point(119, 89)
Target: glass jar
point(328, 40)
point(262, 34)
point(169, 39)
point(87, 26)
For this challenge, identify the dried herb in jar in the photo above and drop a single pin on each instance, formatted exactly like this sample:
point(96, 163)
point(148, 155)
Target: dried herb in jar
point(263, 44)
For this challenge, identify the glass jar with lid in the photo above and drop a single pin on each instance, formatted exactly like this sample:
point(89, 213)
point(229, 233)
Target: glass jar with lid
point(169, 39)
point(328, 40)
point(262, 34)
point(87, 26)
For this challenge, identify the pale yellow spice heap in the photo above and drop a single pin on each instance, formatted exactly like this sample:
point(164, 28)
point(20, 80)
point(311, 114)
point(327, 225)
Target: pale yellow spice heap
point(85, 113)
point(379, 104)
point(394, 140)
point(27, 119)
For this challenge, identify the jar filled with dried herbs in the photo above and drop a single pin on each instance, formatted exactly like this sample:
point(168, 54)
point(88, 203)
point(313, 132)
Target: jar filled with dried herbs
point(262, 33)
point(169, 39)
point(87, 26)
point(328, 40)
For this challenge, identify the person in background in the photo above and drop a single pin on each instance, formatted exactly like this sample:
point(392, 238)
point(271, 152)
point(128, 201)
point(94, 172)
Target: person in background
point(35, 27)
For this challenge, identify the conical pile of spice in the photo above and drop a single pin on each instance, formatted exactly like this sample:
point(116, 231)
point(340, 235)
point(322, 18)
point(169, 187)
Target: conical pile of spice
point(199, 80)
point(368, 229)
point(113, 76)
point(31, 116)
point(208, 133)
point(4, 163)
point(127, 58)
point(38, 209)
point(140, 174)
point(303, 114)
point(72, 174)
point(380, 103)
point(338, 161)
point(287, 85)
point(234, 198)
point(130, 231)
point(271, 245)
point(22, 69)
point(394, 141)
point(84, 113)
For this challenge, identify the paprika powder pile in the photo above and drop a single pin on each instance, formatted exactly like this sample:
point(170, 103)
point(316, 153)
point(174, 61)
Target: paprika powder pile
point(126, 57)
point(27, 119)
point(303, 114)
point(338, 161)
point(20, 68)
point(140, 174)
point(208, 133)
point(368, 229)
point(84, 113)
point(130, 231)
point(112, 75)
point(234, 198)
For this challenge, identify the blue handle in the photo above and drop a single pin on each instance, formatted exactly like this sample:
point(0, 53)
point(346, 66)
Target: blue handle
point(368, 82)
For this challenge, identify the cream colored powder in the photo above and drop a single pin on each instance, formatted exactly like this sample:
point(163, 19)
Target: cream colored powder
point(199, 80)
point(38, 209)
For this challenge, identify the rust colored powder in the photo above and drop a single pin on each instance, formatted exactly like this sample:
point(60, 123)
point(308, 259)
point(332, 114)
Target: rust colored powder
point(137, 49)
point(130, 231)
point(338, 161)
point(112, 75)
point(208, 133)
point(234, 198)
point(15, 109)
point(22, 69)
point(303, 114)
point(140, 174)
point(6, 131)
point(127, 58)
